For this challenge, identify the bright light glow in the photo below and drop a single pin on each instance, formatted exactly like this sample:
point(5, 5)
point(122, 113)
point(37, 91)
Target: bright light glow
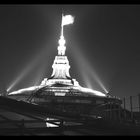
point(61, 70)
point(67, 19)
point(60, 94)
point(36, 59)
point(22, 74)
point(95, 92)
point(61, 67)
point(62, 41)
point(88, 74)
point(61, 48)
point(17, 80)
point(101, 85)
point(50, 124)
point(29, 89)
point(94, 77)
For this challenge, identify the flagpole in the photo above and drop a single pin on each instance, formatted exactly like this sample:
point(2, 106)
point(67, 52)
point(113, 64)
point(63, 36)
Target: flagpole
point(62, 26)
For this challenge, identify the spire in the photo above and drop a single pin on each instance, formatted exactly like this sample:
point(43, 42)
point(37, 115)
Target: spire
point(67, 19)
point(62, 26)
point(61, 47)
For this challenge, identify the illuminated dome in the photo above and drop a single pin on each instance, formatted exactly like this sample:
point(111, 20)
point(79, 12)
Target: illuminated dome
point(61, 83)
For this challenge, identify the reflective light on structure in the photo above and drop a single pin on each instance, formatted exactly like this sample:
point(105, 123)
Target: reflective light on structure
point(94, 92)
point(25, 90)
point(50, 124)
point(61, 83)
point(86, 70)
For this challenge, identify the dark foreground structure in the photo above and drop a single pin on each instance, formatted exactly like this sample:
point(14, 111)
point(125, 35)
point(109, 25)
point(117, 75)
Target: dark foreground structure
point(22, 118)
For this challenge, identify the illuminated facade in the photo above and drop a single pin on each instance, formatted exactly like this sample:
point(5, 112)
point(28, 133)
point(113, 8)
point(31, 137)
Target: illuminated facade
point(60, 67)
point(60, 83)
point(61, 92)
point(60, 80)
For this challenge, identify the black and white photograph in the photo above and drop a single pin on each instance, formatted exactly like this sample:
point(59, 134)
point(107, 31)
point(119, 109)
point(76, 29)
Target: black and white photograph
point(69, 69)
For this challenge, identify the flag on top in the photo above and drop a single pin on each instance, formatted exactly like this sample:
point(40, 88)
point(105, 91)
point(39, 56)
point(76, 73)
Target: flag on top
point(67, 19)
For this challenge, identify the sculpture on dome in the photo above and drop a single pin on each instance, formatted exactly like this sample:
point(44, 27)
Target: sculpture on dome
point(67, 19)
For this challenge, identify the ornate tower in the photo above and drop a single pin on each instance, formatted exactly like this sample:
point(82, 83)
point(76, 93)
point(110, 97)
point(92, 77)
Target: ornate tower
point(61, 83)
point(61, 65)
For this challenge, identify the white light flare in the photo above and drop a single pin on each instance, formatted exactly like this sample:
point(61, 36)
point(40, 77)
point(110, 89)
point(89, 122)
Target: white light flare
point(17, 80)
point(20, 77)
point(31, 65)
point(29, 89)
point(86, 69)
point(67, 19)
point(94, 76)
point(95, 92)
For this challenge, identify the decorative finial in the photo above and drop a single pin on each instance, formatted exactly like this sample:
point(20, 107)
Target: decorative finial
point(67, 19)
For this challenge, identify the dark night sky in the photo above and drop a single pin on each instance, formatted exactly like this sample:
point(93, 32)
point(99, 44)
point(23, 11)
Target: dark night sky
point(103, 41)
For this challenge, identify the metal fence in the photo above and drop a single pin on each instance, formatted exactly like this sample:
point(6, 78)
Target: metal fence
point(132, 103)
point(128, 111)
